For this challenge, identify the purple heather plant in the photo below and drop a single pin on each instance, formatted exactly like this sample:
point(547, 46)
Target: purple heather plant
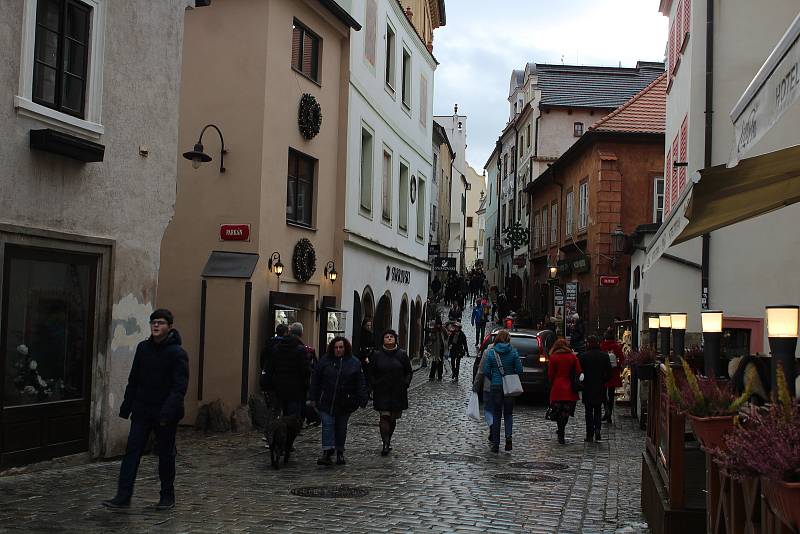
point(700, 396)
point(642, 356)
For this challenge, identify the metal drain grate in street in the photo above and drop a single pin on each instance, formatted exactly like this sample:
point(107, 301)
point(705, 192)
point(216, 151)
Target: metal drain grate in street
point(341, 491)
point(525, 477)
point(455, 458)
point(540, 466)
point(364, 423)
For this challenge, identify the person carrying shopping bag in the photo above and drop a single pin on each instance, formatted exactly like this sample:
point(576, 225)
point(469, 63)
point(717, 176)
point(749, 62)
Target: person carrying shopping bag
point(501, 361)
point(563, 372)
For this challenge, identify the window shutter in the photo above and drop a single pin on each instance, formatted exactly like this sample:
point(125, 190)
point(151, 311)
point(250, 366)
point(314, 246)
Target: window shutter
point(682, 170)
point(308, 57)
point(678, 29)
point(674, 169)
point(667, 184)
point(687, 16)
point(371, 32)
point(671, 48)
point(297, 37)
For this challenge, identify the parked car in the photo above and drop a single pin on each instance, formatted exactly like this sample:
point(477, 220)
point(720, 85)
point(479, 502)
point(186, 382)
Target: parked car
point(533, 347)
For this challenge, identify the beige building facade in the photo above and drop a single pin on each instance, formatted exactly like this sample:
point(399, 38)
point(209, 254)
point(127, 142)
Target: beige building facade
point(473, 238)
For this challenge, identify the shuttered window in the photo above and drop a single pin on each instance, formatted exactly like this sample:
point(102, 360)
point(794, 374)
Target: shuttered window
point(682, 170)
point(674, 169)
point(668, 184)
point(305, 51)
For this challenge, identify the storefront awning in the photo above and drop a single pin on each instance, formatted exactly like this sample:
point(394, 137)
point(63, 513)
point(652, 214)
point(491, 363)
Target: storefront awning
point(223, 264)
point(757, 185)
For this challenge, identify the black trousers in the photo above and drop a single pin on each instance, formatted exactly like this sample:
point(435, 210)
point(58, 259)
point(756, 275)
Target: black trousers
point(608, 402)
point(437, 368)
point(165, 446)
point(455, 365)
point(480, 332)
point(593, 418)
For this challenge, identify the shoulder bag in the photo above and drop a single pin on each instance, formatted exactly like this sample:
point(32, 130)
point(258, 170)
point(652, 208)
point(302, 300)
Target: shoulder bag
point(512, 386)
point(575, 379)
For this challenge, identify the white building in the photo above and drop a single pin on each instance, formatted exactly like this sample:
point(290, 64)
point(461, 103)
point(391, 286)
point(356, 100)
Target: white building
point(389, 170)
point(490, 215)
point(473, 237)
point(455, 126)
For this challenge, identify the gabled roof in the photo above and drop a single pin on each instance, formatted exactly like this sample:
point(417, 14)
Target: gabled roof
point(593, 87)
point(645, 112)
point(340, 13)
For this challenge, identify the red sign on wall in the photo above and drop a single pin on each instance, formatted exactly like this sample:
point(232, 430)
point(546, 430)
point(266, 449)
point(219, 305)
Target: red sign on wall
point(609, 281)
point(234, 232)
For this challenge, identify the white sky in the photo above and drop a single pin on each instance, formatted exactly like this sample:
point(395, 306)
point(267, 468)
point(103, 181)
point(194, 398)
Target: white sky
point(484, 41)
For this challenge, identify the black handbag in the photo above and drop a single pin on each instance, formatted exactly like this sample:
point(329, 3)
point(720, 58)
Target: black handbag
point(550, 414)
point(575, 379)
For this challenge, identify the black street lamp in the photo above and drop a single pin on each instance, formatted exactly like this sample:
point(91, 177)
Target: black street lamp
point(712, 334)
point(782, 323)
point(330, 271)
point(678, 322)
point(665, 326)
point(275, 264)
point(652, 329)
point(198, 156)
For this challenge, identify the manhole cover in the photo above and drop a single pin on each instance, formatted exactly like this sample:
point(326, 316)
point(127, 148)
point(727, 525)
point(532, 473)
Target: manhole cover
point(363, 423)
point(540, 466)
point(525, 477)
point(455, 458)
point(330, 492)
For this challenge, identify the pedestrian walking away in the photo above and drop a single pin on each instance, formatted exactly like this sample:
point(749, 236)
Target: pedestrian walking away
point(288, 372)
point(457, 347)
point(390, 376)
point(437, 345)
point(271, 401)
point(482, 385)
point(337, 390)
point(610, 346)
point(154, 402)
point(564, 367)
point(577, 339)
point(499, 360)
point(479, 322)
point(596, 368)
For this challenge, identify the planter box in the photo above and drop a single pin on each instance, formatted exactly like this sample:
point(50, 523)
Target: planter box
point(646, 371)
point(783, 498)
point(710, 431)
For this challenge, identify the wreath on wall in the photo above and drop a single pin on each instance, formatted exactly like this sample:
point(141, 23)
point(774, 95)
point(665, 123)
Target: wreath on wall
point(516, 235)
point(309, 117)
point(304, 260)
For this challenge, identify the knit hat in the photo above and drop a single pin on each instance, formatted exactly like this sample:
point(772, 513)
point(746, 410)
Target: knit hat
point(390, 331)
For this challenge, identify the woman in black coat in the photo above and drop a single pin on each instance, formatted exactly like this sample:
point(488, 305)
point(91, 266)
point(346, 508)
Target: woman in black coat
point(390, 376)
point(596, 367)
point(338, 388)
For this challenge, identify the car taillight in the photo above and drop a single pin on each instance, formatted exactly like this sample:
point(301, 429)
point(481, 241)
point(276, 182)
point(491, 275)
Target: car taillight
point(542, 359)
point(542, 354)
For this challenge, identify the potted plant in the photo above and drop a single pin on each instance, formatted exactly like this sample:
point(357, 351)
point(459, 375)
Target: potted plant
point(766, 444)
point(644, 362)
point(709, 403)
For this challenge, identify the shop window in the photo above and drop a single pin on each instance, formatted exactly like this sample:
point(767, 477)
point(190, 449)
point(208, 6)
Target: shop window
point(300, 188)
point(305, 51)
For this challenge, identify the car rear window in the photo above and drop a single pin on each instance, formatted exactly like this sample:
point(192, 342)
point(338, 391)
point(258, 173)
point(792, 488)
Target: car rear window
point(526, 346)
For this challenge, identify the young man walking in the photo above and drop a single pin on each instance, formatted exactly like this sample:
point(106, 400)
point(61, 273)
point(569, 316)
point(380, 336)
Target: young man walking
point(154, 401)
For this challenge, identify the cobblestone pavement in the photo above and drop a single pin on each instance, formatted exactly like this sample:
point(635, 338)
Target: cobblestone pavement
point(440, 477)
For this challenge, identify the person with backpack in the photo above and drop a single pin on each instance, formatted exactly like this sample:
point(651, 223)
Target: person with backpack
point(499, 360)
point(288, 372)
point(479, 322)
point(596, 368)
point(564, 373)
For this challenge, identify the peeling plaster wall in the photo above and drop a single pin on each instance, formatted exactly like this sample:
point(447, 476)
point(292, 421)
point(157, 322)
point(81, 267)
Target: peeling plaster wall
point(126, 201)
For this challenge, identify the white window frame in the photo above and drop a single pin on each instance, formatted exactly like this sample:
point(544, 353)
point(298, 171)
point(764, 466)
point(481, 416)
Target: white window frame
point(387, 184)
point(544, 227)
point(403, 194)
point(420, 208)
point(569, 212)
point(656, 197)
point(89, 127)
point(366, 181)
point(554, 224)
point(406, 71)
point(390, 60)
point(583, 205)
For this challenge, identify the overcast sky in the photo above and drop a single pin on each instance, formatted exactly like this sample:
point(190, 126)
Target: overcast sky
point(484, 41)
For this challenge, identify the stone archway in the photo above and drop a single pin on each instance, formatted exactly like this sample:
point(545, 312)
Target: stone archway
point(367, 304)
point(383, 317)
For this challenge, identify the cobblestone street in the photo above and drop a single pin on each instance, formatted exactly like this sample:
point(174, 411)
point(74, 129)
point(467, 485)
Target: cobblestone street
point(440, 477)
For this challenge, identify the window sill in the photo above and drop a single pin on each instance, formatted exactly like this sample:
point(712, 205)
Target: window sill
point(390, 90)
point(367, 214)
point(301, 226)
point(309, 78)
point(386, 222)
point(51, 117)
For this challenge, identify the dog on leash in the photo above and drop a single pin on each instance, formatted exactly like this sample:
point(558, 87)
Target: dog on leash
point(284, 433)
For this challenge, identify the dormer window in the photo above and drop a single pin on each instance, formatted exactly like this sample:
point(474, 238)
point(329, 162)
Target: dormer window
point(577, 129)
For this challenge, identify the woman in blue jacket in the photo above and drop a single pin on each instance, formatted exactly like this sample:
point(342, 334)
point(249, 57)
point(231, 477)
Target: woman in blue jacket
point(507, 356)
point(338, 388)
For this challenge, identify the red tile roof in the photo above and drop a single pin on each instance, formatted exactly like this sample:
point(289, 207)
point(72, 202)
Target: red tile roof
point(645, 112)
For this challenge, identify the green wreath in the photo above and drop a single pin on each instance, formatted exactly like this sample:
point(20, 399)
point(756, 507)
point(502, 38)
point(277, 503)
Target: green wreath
point(304, 260)
point(516, 235)
point(309, 117)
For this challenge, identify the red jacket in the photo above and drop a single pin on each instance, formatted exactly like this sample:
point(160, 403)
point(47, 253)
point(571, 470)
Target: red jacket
point(560, 374)
point(609, 345)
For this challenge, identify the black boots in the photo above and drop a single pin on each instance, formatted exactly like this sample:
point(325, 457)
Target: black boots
point(588, 438)
point(508, 444)
point(166, 502)
point(340, 458)
point(325, 459)
point(387, 426)
point(118, 502)
point(597, 436)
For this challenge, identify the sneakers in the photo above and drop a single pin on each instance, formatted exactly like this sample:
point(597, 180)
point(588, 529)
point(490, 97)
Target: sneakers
point(597, 436)
point(326, 458)
point(386, 449)
point(508, 444)
point(118, 502)
point(340, 458)
point(166, 503)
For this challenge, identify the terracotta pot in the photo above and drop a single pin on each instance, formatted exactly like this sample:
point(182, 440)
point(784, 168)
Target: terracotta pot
point(711, 430)
point(783, 499)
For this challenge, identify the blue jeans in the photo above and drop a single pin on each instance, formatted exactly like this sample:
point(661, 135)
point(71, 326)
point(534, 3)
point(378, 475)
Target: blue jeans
point(334, 431)
point(501, 405)
point(137, 440)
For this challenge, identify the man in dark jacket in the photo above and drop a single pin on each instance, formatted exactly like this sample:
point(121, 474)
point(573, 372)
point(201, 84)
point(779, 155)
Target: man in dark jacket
point(457, 344)
point(288, 372)
point(154, 401)
point(596, 367)
point(577, 339)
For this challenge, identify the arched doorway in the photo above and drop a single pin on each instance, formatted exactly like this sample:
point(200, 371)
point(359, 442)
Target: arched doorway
point(414, 350)
point(383, 317)
point(356, 323)
point(403, 326)
point(367, 304)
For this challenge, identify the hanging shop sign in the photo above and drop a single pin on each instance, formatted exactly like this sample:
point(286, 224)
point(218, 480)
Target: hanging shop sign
point(401, 276)
point(581, 265)
point(433, 249)
point(234, 232)
point(609, 281)
point(558, 296)
point(570, 304)
point(564, 267)
point(444, 264)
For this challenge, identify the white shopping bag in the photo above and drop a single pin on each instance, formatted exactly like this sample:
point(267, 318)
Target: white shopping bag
point(473, 407)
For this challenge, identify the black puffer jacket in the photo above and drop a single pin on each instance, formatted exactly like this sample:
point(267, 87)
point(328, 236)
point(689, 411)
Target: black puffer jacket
point(288, 370)
point(458, 344)
point(338, 386)
point(158, 380)
point(390, 375)
point(596, 367)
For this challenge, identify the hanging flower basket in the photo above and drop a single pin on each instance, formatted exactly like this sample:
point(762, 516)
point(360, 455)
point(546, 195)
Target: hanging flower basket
point(710, 431)
point(783, 499)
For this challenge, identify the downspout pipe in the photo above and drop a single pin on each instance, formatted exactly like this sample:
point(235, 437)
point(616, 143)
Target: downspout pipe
point(705, 297)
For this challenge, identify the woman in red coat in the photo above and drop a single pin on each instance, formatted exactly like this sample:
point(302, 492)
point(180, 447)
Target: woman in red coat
point(610, 345)
point(563, 364)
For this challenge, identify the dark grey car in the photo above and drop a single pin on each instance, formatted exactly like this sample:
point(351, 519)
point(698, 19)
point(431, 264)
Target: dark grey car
point(533, 347)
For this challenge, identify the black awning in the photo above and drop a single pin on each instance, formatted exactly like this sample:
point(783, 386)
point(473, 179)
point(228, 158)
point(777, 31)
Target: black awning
point(223, 264)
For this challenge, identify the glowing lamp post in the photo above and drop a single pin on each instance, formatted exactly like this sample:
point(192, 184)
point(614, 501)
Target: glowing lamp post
point(652, 325)
point(665, 326)
point(782, 323)
point(712, 334)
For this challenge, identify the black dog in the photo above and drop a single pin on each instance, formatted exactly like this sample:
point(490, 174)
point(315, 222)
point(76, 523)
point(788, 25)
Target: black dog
point(283, 435)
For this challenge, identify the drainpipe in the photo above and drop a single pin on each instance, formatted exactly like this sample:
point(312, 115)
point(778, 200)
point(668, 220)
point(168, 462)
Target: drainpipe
point(705, 297)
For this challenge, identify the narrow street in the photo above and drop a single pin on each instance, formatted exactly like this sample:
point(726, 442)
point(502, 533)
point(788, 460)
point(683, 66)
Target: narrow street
point(441, 477)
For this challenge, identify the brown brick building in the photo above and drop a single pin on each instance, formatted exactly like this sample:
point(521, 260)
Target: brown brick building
point(609, 182)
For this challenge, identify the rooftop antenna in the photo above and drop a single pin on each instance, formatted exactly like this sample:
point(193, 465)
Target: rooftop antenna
point(562, 59)
point(455, 109)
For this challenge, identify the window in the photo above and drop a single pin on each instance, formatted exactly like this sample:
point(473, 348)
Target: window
point(371, 32)
point(505, 165)
point(61, 55)
point(568, 214)
point(403, 192)
point(433, 218)
point(423, 102)
point(528, 138)
point(503, 217)
point(469, 222)
point(386, 198)
point(537, 230)
point(658, 199)
point(406, 74)
point(390, 66)
point(544, 227)
point(554, 223)
point(435, 166)
point(583, 206)
point(366, 170)
point(420, 208)
point(305, 51)
point(577, 129)
point(300, 188)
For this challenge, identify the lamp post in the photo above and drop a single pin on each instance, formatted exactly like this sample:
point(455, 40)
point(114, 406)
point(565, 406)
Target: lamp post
point(330, 271)
point(782, 322)
point(678, 322)
point(276, 266)
point(198, 156)
point(652, 326)
point(665, 325)
point(712, 333)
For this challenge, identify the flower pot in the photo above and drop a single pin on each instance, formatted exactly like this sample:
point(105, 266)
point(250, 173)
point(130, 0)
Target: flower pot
point(783, 499)
point(711, 430)
point(646, 371)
